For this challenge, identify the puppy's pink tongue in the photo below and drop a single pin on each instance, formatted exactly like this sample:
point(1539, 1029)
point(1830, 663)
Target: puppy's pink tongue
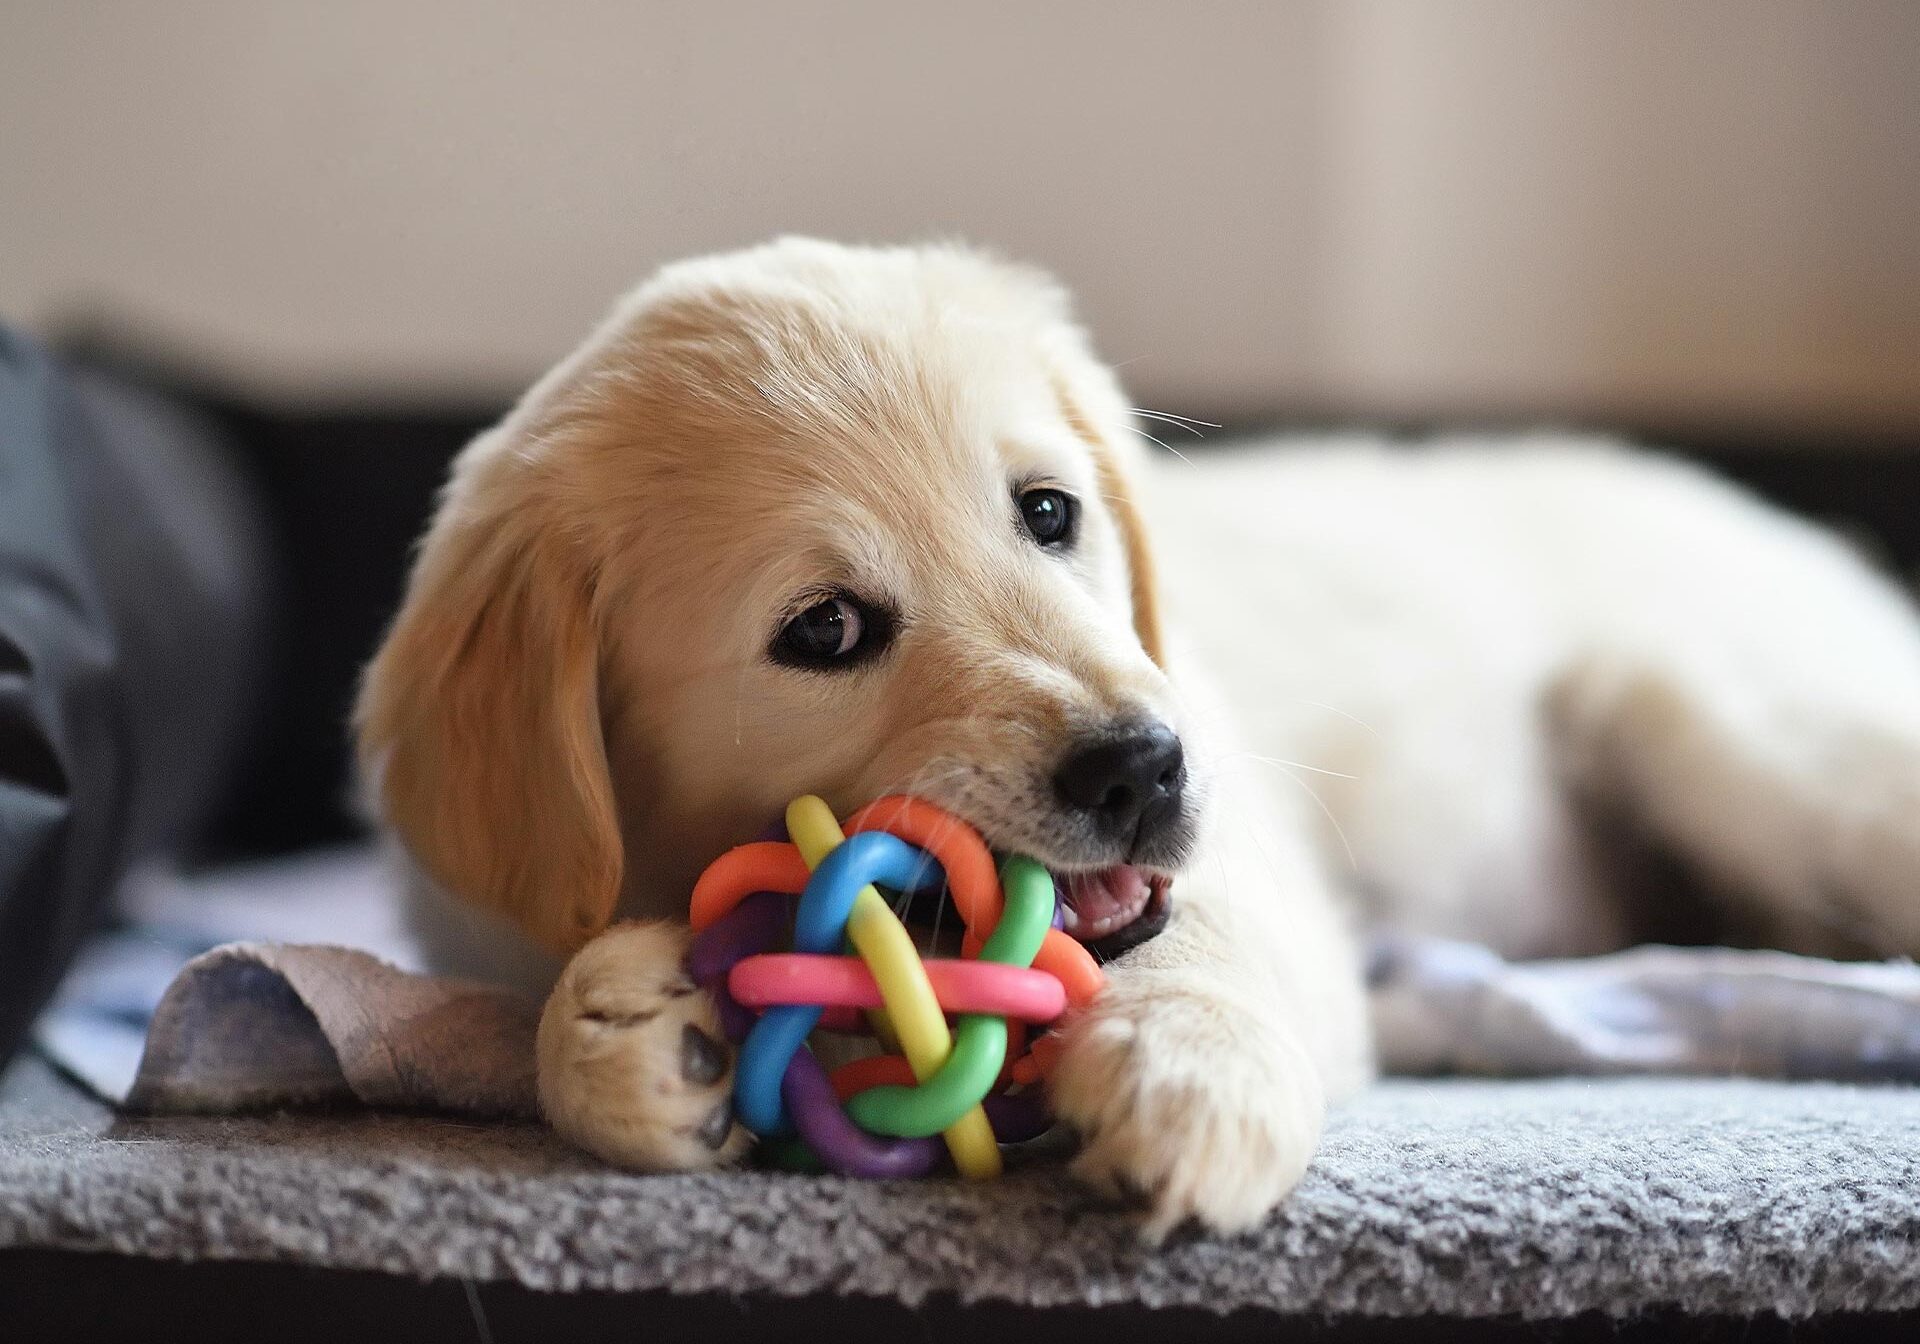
point(1101, 903)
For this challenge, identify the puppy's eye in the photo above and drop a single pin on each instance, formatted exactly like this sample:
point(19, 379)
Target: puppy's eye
point(834, 633)
point(1049, 515)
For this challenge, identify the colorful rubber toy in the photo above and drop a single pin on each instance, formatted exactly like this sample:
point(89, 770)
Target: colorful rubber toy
point(947, 1085)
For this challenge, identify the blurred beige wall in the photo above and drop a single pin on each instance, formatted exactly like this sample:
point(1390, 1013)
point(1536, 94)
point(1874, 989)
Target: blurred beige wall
point(1681, 211)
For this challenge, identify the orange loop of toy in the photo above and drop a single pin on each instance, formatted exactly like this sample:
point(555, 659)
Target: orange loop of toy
point(1016, 1050)
point(1038, 1063)
point(972, 879)
point(765, 865)
point(1072, 965)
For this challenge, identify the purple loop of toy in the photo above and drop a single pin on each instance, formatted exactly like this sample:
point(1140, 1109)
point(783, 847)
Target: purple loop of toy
point(736, 1019)
point(1017, 1116)
point(849, 1150)
point(836, 1140)
point(755, 925)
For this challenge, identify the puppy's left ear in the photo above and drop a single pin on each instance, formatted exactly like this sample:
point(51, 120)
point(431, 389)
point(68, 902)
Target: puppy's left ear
point(480, 717)
point(1092, 404)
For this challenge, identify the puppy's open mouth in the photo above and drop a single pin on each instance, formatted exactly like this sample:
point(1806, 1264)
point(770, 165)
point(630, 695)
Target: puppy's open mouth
point(1108, 909)
point(1113, 909)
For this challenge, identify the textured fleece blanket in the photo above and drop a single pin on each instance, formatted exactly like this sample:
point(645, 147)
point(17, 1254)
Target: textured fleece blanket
point(1459, 1197)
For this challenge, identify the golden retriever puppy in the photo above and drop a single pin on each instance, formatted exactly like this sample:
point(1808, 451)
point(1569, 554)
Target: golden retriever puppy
point(852, 521)
point(816, 519)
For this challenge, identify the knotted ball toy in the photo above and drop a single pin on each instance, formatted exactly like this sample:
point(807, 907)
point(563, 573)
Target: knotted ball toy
point(944, 1084)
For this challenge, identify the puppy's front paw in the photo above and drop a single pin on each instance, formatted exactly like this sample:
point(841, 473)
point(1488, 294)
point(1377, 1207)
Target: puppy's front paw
point(1185, 1096)
point(633, 1065)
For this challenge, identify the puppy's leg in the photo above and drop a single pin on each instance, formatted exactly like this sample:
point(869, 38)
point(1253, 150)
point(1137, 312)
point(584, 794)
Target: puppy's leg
point(1200, 1078)
point(632, 1063)
point(1799, 803)
point(1770, 732)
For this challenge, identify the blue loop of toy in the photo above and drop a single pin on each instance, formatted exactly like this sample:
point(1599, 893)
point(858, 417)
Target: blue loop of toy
point(763, 1062)
point(820, 925)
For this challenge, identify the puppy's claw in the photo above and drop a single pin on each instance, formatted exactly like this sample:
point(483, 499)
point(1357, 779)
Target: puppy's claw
point(717, 1126)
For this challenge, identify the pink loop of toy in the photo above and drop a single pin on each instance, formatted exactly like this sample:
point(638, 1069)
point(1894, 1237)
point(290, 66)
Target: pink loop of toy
point(1017, 992)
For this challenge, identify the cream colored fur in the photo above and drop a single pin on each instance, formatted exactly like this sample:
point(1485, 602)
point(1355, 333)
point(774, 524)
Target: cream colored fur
point(1400, 676)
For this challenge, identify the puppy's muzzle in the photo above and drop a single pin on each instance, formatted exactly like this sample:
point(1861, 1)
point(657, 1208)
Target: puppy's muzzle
point(1126, 785)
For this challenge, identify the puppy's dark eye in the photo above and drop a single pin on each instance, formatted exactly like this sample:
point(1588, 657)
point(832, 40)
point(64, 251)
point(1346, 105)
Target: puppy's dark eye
point(1049, 515)
point(833, 633)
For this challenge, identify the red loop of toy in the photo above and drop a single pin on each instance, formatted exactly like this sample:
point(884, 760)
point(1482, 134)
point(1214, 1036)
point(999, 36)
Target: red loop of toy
point(961, 986)
point(975, 886)
point(857, 1075)
point(845, 1021)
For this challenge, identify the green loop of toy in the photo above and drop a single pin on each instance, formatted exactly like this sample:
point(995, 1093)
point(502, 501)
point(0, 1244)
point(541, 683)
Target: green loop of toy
point(1016, 939)
point(979, 1049)
point(979, 1042)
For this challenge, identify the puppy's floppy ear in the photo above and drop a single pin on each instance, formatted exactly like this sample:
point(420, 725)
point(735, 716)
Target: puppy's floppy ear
point(1118, 487)
point(479, 719)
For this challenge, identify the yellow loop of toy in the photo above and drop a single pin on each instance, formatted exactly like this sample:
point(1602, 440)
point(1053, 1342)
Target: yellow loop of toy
point(817, 836)
point(913, 1009)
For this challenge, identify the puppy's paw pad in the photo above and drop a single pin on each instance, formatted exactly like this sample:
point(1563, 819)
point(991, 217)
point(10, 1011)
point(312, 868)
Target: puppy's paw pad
point(633, 1066)
point(703, 1060)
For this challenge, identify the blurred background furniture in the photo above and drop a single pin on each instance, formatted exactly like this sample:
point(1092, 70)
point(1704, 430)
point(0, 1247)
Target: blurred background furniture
point(354, 235)
point(1667, 213)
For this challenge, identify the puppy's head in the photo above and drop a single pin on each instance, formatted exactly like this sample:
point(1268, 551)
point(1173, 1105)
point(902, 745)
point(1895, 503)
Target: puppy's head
point(800, 519)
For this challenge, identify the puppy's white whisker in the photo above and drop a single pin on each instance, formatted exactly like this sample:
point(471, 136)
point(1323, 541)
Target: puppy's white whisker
point(739, 704)
point(939, 913)
point(1335, 709)
point(1321, 804)
point(1162, 442)
point(1297, 765)
point(1186, 422)
point(931, 774)
point(1175, 423)
point(1174, 415)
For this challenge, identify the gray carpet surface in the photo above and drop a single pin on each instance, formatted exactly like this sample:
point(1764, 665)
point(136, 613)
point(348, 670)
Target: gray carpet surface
point(1462, 1198)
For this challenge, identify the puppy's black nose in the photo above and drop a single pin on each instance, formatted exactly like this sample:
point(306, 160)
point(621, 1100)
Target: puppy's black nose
point(1118, 781)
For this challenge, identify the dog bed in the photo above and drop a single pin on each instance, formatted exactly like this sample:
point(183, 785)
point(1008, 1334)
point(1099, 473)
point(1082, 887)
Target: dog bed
point(1466, 1199)
point(1462, 1199)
